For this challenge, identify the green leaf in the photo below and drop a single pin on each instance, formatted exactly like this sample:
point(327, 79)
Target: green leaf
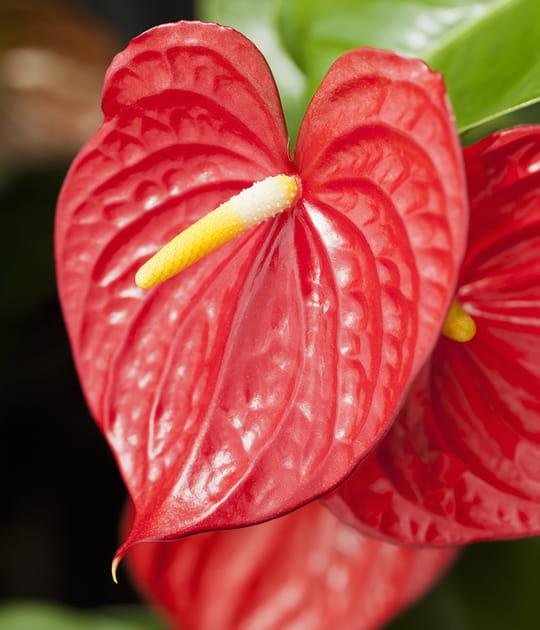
point(138, 615)
point(488, 50)
point(528, 115)
point(31, 615)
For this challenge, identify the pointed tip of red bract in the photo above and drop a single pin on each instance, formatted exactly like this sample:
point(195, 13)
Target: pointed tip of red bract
point(132, 539)
point(119, 555)
point(114, 568)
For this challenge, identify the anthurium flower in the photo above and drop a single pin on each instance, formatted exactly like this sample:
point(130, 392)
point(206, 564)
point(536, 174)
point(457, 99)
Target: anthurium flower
point(255, 380)
point(304, 571)
point(462, 462)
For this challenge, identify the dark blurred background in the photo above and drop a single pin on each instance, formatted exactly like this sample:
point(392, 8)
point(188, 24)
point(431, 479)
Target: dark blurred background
point(62, 493)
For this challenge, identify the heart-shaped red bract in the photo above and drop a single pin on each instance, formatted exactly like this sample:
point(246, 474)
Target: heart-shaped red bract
point(257, 379)
point(304, 571)
point(462, 462)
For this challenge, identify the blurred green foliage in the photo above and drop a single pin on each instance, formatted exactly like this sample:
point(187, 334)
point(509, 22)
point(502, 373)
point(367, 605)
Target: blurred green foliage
point(486, 49)
point(45, 616)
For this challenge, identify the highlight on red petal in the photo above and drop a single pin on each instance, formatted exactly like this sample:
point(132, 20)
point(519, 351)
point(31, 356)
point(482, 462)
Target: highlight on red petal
point(462, 461)
point(304, 571)
point(256, 380)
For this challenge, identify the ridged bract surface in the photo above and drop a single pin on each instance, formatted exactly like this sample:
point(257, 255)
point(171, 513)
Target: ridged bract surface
point(255, 380)
point(305, 571)
point(462, 462)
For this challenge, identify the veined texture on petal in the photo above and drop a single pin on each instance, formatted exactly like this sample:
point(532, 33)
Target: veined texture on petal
point(380, 162)
point(304, 571)
point(255, 380)
point(461, 462)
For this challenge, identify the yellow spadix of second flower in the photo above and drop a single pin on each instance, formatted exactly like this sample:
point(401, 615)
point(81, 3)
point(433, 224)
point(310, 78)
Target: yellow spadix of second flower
point(459, 325)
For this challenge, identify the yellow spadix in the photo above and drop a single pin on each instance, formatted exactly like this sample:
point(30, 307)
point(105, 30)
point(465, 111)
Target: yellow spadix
point(245, 210)
point(459, 325)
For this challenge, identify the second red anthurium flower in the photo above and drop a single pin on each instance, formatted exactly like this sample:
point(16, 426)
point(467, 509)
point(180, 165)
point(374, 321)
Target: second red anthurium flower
point(258, 378)
point(461, 462)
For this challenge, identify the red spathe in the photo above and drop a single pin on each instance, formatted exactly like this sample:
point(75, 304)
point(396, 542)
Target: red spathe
point(462, 462)
point(256, 380)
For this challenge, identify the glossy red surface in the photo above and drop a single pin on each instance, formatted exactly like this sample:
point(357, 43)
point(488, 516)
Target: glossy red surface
point(462, 462)
point(257, 379)
point(304, 571)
